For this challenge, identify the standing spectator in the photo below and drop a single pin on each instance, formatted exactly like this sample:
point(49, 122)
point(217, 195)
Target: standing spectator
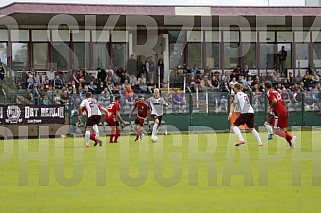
point(132, 66)
point(101, 77)
point(150, 68)
point(161, 69)
point(140, 67)
point(2, 71)
point(282, 58)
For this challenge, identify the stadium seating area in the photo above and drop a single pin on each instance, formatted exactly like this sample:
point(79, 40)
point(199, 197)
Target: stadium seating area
point(208, 89)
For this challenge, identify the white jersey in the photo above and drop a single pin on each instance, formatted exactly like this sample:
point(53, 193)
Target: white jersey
point(90, 106)
point(243, 102)
point(157, 105)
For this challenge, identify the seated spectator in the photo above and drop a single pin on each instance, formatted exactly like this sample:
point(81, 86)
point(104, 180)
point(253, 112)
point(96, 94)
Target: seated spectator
point(85, 90)
point(128, 90)
point(142, 84)
point(40, 79)
point(109, 71)
point(249, 80)
point(104, 96)
point(115, 90)
point(214, 83)
point(92, 87)
point(242, 80)
point(46, 101)
point(179, 101)
point(66, 77)
point(115, 79)
point(195, 69)
point(232, 82)
point(58, 82)
point(151, 86)
point(65, 97)
point(101, 87)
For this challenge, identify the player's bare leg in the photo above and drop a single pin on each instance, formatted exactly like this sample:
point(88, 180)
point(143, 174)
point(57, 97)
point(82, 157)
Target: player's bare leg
point(112, 134)
point(136, 130)
point(117, 134)
point(284, 134)
point(139, 132)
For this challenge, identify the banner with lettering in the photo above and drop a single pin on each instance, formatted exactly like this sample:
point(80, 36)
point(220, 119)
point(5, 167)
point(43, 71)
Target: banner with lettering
point(32, 114)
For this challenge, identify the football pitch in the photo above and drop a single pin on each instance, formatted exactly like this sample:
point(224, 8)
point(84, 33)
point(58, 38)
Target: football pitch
point(179, 173)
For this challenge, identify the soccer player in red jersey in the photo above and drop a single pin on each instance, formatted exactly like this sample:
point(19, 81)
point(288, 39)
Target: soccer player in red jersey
point(143, 112)
point(112, 121)
point(279, 121)
point(93, 112)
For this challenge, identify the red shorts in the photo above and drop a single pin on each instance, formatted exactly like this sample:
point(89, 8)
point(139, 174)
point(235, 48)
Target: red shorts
point(154, 117)
point(276, 121)
point(93, 120)
point(111, 120)
point(139, 121)
point(245, 118)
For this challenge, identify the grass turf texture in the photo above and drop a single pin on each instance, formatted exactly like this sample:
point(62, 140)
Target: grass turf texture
point(196, 188)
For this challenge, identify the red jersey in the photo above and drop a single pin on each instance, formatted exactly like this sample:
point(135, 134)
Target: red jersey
point(112, 108)
point(142, 109)
point(279, 108)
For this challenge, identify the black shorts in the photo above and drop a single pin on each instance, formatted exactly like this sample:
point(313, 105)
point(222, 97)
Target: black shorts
point(93, 120)
point(245, 118)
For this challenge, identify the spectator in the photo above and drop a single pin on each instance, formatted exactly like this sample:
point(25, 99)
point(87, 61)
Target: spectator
point(46, 101)
point(195, 69)
point(101, 75)
point(142, 84)
point(214, 83)
point(40, 79)
point(105, 96)
point(161, 70)
point(132, 66)
point(150, 68)
point(115, 79)
point(92, 87)
point(65, 97)
point(140, 67)
point(179, 101)
point(282, 54)
point(57, 82)
point(2, 72)
point(101, 87)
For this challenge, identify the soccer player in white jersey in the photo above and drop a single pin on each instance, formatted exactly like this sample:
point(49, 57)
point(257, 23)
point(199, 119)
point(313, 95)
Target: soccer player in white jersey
point(246, 117)
point(93, 112)
point(157, 104)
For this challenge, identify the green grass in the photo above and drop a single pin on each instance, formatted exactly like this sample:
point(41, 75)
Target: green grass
point(225, 178)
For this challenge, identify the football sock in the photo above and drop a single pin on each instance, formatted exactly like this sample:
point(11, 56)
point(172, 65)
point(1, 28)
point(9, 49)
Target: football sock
point(111, 136)
point(257, 136)
point(154, 129)
point(93, 137)
point(269, 128)
point(238, 133)
point(95, 127)
point(288, 137)
point(117, 135)
point(87, 136)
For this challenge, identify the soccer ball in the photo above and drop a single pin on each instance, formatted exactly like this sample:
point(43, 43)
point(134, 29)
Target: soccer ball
point(154, 139)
